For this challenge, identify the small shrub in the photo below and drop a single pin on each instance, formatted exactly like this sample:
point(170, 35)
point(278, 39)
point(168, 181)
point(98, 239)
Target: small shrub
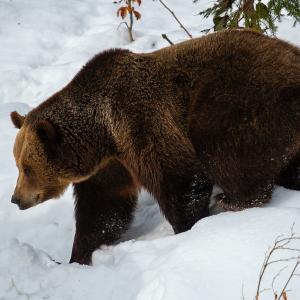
point(129, 10)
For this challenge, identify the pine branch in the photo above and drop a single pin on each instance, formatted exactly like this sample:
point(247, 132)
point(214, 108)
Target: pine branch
point(255, 14)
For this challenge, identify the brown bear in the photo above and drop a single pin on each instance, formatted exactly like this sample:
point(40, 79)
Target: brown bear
point(221, 109)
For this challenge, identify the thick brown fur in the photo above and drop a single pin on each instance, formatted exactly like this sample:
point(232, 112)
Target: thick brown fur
point(222, 109)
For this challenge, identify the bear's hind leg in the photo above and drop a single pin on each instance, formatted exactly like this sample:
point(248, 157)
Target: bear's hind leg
point(241, 199)
point(104, 209)
point(290, 176)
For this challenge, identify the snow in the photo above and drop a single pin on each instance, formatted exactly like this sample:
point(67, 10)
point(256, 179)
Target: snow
point(43, 44)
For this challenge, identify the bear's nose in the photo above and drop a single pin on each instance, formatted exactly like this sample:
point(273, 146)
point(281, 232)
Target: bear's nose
point(15, 200)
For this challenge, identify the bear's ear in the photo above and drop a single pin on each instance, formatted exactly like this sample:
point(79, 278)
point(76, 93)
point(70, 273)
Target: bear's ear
point(17, 119)
point(45, 130)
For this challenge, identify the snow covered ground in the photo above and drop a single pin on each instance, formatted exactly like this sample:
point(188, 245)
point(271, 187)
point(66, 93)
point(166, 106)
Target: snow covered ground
point(42, 45)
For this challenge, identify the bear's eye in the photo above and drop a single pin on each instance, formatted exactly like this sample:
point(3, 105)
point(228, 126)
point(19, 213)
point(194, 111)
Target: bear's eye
point(26, 171)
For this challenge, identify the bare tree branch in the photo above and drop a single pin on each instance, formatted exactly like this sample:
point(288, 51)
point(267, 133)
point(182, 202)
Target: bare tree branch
point(275, 277)
point(243, 296)
point(167, 39)
point(282, 260)
point(281, 243)
point(290, 277)
point(175, 17)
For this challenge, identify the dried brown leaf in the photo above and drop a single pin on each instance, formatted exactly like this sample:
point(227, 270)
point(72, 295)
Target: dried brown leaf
point(122, 12)
point(139, 2)
point(137, 14)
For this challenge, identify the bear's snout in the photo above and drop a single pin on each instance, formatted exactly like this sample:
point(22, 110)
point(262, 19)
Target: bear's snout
point(18, 202)
point(15, 200)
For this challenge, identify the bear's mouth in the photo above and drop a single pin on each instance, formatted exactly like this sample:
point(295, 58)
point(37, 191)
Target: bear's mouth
point(23, 206)
point(26, 205)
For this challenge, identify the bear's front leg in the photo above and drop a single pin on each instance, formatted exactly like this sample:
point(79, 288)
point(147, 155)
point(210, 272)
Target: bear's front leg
point(104, 209)
point(166, 164)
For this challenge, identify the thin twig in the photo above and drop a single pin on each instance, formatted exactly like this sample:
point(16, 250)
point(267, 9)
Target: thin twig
point(262, 271)
point(289, 249)
point(130, 27)
point(173, 14)
point(290, 277)
point(243, 295)
point(282, 260)
point(167, 39)
point(280, 244)
point(264, 290)
point(275, 277)
point(123, 23)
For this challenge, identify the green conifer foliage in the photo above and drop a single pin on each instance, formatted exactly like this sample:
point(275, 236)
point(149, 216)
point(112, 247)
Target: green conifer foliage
point(257, 15)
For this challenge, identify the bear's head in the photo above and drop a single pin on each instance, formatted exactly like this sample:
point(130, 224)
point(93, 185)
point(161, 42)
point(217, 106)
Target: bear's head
point(39, 179)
